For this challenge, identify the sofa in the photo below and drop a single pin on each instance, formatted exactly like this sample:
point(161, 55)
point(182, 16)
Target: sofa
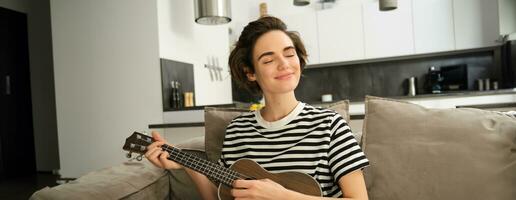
point(415, 153)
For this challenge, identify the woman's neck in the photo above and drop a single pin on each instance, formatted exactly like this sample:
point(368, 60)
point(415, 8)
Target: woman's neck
point(278, 106)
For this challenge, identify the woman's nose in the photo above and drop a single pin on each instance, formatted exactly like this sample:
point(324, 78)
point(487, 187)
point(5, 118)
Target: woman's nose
point(282, 63)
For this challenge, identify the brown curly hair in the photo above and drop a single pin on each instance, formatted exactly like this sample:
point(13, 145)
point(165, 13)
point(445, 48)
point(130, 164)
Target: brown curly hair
point(241, 57)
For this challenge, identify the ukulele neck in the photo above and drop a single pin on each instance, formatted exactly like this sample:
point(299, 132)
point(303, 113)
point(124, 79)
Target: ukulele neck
point(210, 169)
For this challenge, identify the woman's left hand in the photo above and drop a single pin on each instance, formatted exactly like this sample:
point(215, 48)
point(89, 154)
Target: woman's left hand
point(258, 189)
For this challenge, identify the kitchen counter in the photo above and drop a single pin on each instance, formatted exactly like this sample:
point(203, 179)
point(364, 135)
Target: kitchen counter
point(463, 93)
point(449, 100)
point(195, 118)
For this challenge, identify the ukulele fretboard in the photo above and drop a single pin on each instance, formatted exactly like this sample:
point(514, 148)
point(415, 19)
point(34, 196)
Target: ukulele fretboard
point(210, 169)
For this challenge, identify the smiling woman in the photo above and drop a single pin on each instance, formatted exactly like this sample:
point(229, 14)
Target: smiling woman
point(275, 61)
point(245, 48)
point(284, 136)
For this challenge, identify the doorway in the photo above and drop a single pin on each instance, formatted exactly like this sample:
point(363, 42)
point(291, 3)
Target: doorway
point(17, 153)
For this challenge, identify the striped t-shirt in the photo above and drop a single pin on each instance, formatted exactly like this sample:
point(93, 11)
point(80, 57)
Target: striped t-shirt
point(311, 140)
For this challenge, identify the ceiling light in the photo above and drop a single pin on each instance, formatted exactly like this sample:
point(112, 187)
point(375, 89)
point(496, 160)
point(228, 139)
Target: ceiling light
point(212, 12)
point(386, 5)
point(301, 2)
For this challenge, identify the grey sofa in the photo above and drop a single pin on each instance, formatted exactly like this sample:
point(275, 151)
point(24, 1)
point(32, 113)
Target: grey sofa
point(415, 153)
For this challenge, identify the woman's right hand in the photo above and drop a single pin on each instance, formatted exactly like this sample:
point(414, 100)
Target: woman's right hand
point(157, 156)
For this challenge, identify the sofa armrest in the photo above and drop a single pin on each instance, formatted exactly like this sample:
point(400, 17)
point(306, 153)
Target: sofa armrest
point(118, 182)
point(130, 180)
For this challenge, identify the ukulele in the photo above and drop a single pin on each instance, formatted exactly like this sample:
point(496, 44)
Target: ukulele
point(242, 169)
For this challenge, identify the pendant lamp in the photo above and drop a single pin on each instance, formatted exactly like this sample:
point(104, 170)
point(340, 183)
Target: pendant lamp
point(212, 12)
point(301, 2)
point(386, 5)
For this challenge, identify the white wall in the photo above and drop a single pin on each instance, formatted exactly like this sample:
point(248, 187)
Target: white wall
point(181, 39)
point(42, 86)
point(107, 78)
point(507, 15)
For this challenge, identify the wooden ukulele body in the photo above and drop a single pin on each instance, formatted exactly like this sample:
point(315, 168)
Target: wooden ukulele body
point(295, 181)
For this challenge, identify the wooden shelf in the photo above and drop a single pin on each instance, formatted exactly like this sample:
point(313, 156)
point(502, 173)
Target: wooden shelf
point(177, 125)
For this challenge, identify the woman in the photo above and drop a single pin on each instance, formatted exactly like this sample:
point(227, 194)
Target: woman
point(285, 135)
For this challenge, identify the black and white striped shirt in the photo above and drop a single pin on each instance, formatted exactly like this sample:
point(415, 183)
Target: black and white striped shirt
point(311, 140)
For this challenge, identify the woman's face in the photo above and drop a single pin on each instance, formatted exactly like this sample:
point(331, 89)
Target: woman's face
point(276, 64)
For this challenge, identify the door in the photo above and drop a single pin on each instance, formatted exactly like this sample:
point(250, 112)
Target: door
point(17, 154)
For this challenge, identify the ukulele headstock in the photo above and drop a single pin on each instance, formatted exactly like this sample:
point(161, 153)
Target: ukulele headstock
point(137, 143)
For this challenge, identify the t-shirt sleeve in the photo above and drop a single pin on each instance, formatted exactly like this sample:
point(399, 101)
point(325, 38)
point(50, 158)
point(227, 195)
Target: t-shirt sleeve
point(345, 155)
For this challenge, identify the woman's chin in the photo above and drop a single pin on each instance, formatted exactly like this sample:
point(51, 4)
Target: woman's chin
point(285, 90)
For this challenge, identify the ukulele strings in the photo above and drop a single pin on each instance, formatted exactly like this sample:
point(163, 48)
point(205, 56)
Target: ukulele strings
point(234, 175)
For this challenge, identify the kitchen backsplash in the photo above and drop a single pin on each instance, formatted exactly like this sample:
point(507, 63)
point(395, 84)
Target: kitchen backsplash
point(182, 76)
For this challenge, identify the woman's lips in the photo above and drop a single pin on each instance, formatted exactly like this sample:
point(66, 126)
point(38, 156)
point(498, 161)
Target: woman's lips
point(284, 77)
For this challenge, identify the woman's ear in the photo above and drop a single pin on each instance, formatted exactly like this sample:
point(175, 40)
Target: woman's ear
point(251, 76)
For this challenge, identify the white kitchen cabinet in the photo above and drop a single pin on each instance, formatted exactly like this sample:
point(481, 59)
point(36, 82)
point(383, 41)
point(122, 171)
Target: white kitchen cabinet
point(306, 25)
point(507, 16)
point(388, 33)
point(433, 26)
point(341, 32)
point(476, 23)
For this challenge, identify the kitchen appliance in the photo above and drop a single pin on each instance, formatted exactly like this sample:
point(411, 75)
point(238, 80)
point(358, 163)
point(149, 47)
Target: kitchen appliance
point(487, 84)
point(480, 84)
point(508, 61)
point(412, 85)
point(433, 80)
point(454, 77)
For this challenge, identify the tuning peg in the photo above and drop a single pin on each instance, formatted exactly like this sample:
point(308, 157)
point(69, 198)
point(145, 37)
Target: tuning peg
point(139, 158)
point(128, 155)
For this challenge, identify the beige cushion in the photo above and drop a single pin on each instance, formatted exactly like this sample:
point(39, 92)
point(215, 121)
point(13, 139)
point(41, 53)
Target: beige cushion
point(419, 153)
point(341, 107)
point(157, 190)
point(122, 181)
point(215, 122)
point(217, 119)
point(193, 144)
point(182, 185)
